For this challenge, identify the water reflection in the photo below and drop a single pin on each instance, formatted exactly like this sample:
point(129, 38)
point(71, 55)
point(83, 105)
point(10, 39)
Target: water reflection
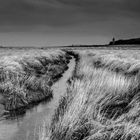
point(22, 120)
point(21, 112)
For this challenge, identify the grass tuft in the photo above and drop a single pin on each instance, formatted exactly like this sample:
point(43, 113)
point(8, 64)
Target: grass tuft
point(102, 101)
point(27, 78)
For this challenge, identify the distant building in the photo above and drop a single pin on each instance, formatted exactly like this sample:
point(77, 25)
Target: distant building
point(113, 41)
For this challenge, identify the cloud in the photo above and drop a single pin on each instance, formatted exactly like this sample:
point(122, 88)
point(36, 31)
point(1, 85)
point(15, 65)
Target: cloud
point(63, 12)
point(25, 15)
point(34, 12)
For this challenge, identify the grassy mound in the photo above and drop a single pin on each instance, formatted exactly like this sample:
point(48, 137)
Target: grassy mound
point(27, 78)
point(102, 101)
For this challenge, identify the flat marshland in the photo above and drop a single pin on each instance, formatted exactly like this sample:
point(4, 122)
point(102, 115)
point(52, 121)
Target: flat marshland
point(101, 100)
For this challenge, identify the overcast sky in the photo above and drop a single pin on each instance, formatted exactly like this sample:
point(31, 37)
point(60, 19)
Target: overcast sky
point(66, 22)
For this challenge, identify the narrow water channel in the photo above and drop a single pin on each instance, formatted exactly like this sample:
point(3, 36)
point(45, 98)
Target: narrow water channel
point(27, 127)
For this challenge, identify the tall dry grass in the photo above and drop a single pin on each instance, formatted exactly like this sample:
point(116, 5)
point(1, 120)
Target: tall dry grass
point(26, 78)
point(102, 101)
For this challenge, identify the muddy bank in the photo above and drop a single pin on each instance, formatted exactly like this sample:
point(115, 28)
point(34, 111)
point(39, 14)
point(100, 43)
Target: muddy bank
point(27, 127)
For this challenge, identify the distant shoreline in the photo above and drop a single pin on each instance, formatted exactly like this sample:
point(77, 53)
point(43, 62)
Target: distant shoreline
point(75, 47)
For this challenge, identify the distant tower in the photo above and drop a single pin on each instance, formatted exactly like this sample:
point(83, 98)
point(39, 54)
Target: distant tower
point(113, 41)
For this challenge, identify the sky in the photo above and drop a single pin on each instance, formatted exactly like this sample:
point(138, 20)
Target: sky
point(67, 22)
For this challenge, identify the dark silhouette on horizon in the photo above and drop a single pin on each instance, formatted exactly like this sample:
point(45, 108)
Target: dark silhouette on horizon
point(134, 41)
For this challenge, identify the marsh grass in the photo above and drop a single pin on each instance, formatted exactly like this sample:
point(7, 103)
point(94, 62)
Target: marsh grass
point(102, 101)
point(27, 78)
